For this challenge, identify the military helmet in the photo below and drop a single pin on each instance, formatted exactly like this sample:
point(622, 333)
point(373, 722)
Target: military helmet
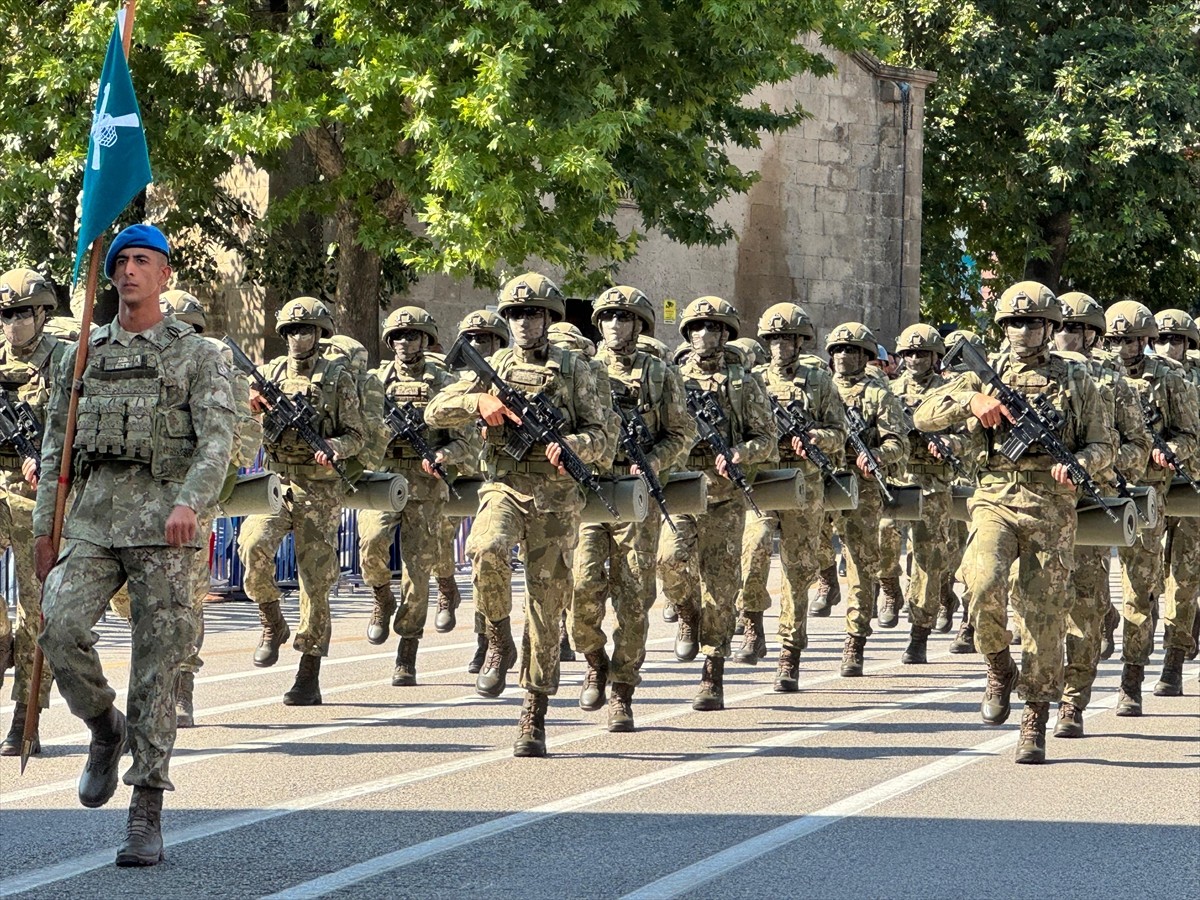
point(1128, 318)
point(1030, 299)
point(786, 318)
point(853, 334)
point(653, 346)
point(305, 311)
point(1079, 307)
point(564, 334)
point(711, 309)
point(752, 351)
point(342, 346)
point(963, 334)
point(920, 337)
point(624, 297)
point(1176, 321)
point(25, 288)
point(409, 318)
point(185, 307)
point(485, 320)
point(532, 289)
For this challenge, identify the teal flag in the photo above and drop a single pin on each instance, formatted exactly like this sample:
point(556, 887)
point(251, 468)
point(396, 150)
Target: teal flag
point(118, 163)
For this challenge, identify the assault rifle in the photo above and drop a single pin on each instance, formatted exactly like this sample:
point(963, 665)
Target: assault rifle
point(710, 419)
point(408, 423)
point(942, 446)
point(541, 421)
point(1152, 418)
point(634, 433)
point(284, 412)
point(1037, 422)
point(1123, 490)
point(19, 426)
point(856, 425)
point(792, 422)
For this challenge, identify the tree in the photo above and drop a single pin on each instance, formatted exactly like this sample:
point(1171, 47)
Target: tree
point(464, 138)
point(1061, 145)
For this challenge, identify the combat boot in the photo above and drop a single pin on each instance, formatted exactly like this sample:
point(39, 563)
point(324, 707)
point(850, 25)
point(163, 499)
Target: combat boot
point(143, 832)
point(964, 642)
point(947, 606)
point(448, 600)
point(405, 673)
point(501, 656)
point(915, 652)
point(852, 655)
point(787, 674)
point(381, 614)
point(565, 652)
point(1129, 700)
point(1031, 750)
point(670, 614)
point(98, 782)
point(712, 686)
point(829, 593)
point(592, 695)
point(1002, 677)
point(1170, 683)
point(476, 663)
point(16, 734)
point(687, 643)
point(1112, 619)
point(1070, 721)
point(620, 707)
point(275, 631)
point(890, 600)
point(306, 690)
point(754, 642)
point(531, 730)
point(739, 623)
point(184, 714)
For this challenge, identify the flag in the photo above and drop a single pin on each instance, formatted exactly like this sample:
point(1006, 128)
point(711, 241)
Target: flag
point(118, 163)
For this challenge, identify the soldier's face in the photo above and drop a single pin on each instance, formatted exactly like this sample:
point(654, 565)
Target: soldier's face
point(1026, 335)
point(707, 337)
point(22, 326)
point(140, 275)
point(528, 325)
point(848, 360)
point(484, 342)
point(783, 348)
point(1072, 337)
point(409, 344)
point(619, 328)
point(919, 362)
point(301, 340)
point(1128, 348)
point(1172, 346)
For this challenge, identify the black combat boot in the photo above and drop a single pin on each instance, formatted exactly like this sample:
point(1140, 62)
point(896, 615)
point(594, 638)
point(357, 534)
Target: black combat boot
point(592, 696)
point(448, 600)
point(184, 714)
point(306, 690)
point(566, 653)
point(712, 686)
point(1070, 721)
point(687, 643)
point(16, 734)
point(787, 674)
point(476, 663)
point(381, 614)
point(670, 614)
point(852, 655)
point(98, 782)
point(947, 606)
point(620, 707)
point(1129, 700)
point(739, 623)
point(531, 730)
point(143, 832)
point(964, 642)
point(915, 652)
point(1112, 619)
point(405, 673)
point(1002, 677)
point(1170, 683)
point(829, 593)
point(1031, 749)
point(275, 631)
point(754, 641)
point(501, 656)
point(890, 600)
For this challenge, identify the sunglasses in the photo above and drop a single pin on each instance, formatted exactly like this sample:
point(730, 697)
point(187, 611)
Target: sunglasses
point(618, 315)
point(523, 312)
point(1025, 322)
point(15, 315)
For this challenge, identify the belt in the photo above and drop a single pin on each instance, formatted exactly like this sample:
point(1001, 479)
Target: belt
point(525, 467)
point(309, 469)
point(11, 463)
point(940, 469)
point(698, 461)
point(1023, 477)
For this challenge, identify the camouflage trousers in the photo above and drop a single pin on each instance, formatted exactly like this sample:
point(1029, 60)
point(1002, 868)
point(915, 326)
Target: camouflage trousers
point(859, 531)
point(18, 513)
point(1142, 584)
point(826, 556)
point(160, 586)
point(445, 567)
point(891, 547)
point(956, 546)
point(700, 565)
point(929, 559)
point(312, 511)
point(420, 525)
point(542, 515)
point(1089, 601)
point(1183, 582)
point(1028, 536)
point(615, 560)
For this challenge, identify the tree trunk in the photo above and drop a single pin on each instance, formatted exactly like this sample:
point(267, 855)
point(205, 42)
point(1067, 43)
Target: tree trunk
point(1054, 230)
point(358, 276)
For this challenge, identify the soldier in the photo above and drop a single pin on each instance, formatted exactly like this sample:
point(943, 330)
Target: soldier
point(1023, 512)
point(409, 378)
point(28, 358)
point(155, 430)
point(531, 502)
point(700, 562)
point(616, 559)
point(850, 347)
point(789, 380)
point(312, 495)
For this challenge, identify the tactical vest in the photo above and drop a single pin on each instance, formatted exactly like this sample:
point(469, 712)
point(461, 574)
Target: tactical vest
point(854, 396)
point(1055, 380)
point(642, 389)
point(28, 381)
point(319, 389)
point(402, 389)
point(556, 379)
point(787, 389)
point(729, 384)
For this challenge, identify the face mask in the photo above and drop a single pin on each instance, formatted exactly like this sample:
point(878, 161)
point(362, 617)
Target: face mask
point(850, 361)
point(617, 335)
point(302, 342)
point(707, 338)
point(1026, 342)
point(21, 332)
point(1071, 341)
point(528, 332)
point(1129, 351)
point(1175, 351)
point(782, 349)
point(920, 364)
point(485, 344)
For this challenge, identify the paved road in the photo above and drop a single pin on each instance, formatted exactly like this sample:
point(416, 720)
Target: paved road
point(885, 786)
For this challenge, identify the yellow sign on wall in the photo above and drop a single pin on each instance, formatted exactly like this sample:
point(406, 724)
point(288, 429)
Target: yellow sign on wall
point(669, 311)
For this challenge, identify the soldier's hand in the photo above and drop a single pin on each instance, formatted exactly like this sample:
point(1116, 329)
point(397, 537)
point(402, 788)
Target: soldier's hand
point(324, 459)
point(493, 411)
point(989, 411)
point(427, 467)
point(798, 448)
point(29, 470)
point(933, 450)
point(43, 557)
point(637, 470)
point(257, 403)
point(723, 465)
point(1061, 474)
point(862, 462)
point(554, 455)
point(181, 526)
point(1160, 459)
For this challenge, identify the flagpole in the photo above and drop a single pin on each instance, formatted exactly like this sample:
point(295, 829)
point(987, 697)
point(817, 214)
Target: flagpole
point(33, 709)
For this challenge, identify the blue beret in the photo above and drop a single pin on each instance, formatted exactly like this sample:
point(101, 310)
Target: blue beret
point(136, 236)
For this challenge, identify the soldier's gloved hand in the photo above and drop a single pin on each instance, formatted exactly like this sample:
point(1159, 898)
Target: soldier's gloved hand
point(439, 457)
point(862, 463)
point(324, 459)
point(723, 465)
point(554, 455)
point(493, 411)
point(798, 448)
point(989, 411)
point(181, 526)
point(29, 470)
point(1061, 474)
point(43, 557)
